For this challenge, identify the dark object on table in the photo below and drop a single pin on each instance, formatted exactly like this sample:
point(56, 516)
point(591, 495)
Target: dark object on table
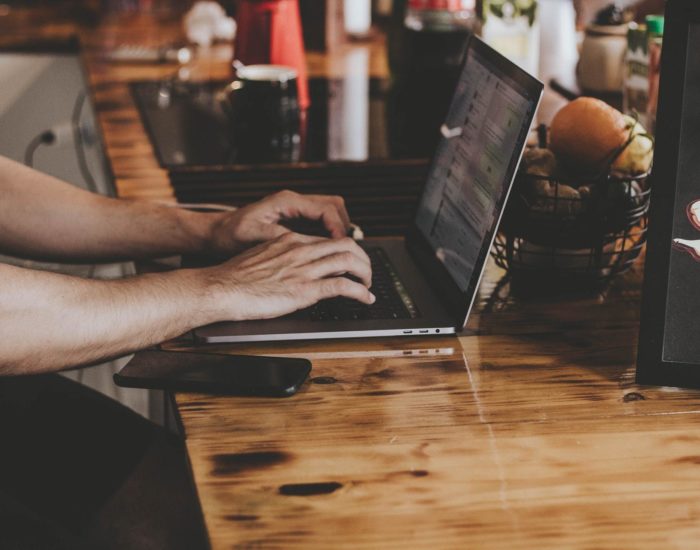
point(215, 373)
point(270, 33)
point(669, 347)
point(264, 113)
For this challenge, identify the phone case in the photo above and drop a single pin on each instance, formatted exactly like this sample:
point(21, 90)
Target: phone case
point(243, 375)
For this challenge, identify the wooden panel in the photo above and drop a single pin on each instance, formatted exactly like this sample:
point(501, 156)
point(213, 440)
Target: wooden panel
point(381, 199)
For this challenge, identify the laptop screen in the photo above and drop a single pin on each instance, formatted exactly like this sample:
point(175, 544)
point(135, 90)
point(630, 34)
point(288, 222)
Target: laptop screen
point(483, 137)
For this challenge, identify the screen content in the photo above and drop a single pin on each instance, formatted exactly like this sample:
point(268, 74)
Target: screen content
point(681, 342)
point(482, 140)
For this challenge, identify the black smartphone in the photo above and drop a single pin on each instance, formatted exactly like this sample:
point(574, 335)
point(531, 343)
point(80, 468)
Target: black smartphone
point(214, 373)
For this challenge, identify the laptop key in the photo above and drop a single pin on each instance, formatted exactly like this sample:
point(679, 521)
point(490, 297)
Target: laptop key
point(392, 300)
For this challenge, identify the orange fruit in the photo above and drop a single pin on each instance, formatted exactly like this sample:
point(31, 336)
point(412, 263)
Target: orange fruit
point(587, 133)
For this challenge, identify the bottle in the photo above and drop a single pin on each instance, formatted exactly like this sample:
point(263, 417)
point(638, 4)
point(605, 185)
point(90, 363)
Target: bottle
point(601, 66)
point(635, 96)
point(655, 33)
point(512, 28)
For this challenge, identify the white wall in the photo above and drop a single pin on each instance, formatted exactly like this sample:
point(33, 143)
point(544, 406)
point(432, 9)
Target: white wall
point(39, 92)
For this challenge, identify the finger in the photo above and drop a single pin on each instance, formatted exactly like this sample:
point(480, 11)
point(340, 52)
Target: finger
point(270, 231)
point(341, 286)
point(337, 203)
point(327, 247)
point(340, 264)
point(292, 248)
point(329, 210)
point(284, 243)
point(291, 240)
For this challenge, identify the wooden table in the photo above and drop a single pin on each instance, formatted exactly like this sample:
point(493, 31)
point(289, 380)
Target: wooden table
point(527, 433)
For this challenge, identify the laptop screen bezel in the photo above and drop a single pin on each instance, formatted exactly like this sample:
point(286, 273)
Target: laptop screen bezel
point(458, 302)
point(651, 366)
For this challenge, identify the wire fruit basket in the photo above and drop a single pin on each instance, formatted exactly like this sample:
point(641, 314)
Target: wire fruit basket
point(560, 239)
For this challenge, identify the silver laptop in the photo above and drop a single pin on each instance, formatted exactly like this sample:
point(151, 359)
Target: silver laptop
point(426, 282)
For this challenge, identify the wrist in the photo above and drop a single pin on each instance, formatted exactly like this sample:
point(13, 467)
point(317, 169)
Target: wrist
point(215, 294)
point(215, 241)
point(202, 230)
point(188, 294)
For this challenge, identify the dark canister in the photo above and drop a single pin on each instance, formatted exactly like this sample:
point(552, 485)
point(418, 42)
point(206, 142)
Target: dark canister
point(263, 105)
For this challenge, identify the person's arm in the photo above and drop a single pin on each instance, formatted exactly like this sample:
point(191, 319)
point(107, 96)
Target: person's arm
point(44, 218)
point(50, 321)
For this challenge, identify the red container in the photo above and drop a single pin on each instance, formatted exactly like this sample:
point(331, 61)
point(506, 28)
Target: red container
point(269, 31)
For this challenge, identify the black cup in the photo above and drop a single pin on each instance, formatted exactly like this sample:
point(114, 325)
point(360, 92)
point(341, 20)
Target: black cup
point(263, 107)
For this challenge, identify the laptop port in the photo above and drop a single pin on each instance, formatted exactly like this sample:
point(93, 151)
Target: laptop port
point(408, 332)
point(426, 331)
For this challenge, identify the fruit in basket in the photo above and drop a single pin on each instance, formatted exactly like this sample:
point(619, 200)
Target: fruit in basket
point(587, 133)
point(557, 198)
point(636, 157)
point(539, 162)
point(595, 151)
point(549, 195)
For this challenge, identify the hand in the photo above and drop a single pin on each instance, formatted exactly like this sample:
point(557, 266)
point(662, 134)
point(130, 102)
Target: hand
point(260, 221)
point(289, 273)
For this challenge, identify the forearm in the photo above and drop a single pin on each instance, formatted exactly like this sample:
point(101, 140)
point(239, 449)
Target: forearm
point(47, 219)
point(49, 321)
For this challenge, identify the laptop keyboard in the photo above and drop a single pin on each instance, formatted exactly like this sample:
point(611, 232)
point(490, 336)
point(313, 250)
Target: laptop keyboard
point(393, 301)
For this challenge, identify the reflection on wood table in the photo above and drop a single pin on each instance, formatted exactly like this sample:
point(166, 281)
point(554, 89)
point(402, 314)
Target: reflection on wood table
point(528, 433)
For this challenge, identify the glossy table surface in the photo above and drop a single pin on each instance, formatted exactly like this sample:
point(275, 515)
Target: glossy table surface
point(528, 432)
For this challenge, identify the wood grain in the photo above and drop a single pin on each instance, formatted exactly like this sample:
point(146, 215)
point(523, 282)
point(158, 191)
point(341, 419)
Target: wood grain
point(527, 433)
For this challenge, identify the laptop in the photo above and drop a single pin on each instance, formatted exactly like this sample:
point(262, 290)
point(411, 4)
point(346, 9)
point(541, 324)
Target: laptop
point(426, 282)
